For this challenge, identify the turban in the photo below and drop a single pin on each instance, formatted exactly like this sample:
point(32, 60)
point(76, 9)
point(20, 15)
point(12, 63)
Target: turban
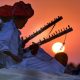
point(18, 9)
point(22, 9)
point(6, 11)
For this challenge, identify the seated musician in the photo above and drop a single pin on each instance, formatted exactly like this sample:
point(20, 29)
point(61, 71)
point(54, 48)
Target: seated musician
point(14, 18)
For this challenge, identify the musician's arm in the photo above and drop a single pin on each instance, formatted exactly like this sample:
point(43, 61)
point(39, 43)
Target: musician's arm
point(33, 48)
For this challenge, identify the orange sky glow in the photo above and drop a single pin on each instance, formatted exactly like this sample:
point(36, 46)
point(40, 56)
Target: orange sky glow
point(47, 10)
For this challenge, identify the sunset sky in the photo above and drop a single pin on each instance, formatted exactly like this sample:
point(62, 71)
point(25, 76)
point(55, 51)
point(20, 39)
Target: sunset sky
point(47, 10)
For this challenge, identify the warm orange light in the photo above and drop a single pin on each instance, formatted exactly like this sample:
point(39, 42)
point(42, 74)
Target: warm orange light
point(58, 47)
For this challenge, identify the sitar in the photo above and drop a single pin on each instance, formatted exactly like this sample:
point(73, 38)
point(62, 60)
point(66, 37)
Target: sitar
point(53, 22)
point(55, 35)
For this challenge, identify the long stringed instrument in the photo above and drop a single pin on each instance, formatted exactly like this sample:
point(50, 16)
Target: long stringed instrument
point(42, 29)
point(55, 35)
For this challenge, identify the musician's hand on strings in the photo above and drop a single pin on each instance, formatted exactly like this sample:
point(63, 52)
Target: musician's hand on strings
point(34, 48)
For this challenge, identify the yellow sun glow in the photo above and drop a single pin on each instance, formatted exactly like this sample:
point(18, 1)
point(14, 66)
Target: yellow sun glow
point(58, 47)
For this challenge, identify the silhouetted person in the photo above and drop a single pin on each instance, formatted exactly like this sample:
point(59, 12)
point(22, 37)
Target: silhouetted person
point(12, 18)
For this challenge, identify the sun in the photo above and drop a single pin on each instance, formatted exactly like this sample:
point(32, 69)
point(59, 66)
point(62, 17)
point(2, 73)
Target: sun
point(58, 47)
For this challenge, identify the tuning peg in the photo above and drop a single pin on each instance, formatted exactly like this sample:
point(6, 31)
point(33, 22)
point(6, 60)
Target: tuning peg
point(21, 38)
point(49, 36)
point(33, 32)
point(68, 26)
point(47, 23)
point(29, 35)
point(51, 21)
point(44, 38)
point(39, 40)
point(58, 30)
point(52, 35)
point(58, 16)
point(61, 30)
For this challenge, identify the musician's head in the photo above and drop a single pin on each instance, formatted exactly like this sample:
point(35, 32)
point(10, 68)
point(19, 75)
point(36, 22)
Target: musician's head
point(62, 58)
point(19, 12)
